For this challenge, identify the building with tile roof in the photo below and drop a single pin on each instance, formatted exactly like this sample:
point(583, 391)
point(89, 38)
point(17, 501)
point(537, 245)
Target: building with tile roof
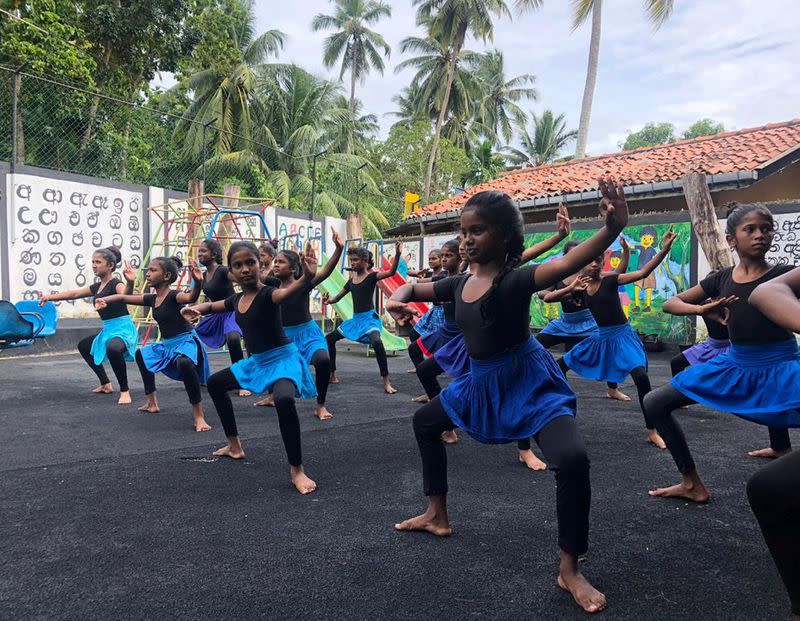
point(757, 164)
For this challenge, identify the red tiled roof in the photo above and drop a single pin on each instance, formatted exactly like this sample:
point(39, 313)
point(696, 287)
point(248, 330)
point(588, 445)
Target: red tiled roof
point(727, 152)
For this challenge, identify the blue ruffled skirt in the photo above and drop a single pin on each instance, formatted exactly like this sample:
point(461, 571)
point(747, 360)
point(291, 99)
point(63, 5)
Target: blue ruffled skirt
point(360, 325)
point(756, 382)
point(610, 354)
point(308, 339)
point(259, 372)
point(430, 321)
point(117, 328)
point(431, 343)
point(453, 357)
point(161, 356)
point(214, 328)
point(510, 396)
point(706, 351)
point(577, 325)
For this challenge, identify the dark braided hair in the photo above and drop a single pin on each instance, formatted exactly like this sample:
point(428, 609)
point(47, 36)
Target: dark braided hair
point(242, 245)
point(171, 266)
point(294, 262)
point(500, 213)
point(737, 211)
point(362, 253)
point(214, 248)
point(452, 245)
point(111, 254)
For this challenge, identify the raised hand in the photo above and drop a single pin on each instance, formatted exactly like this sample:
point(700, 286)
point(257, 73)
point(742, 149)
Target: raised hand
point(325, 298)
point(719, 310)
point(337, 240)
point(613, 206)
point(669, 238)
point(398, 247)
point(624, 243)
point(580, 284)
point(195, 271)
point(191, 314)
point(309, 260)
point(128, 273)
point(402, 312)
point(563, 223)
point(100, 304)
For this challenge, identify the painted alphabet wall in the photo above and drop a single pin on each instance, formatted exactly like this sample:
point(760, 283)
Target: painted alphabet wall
point(54, 227)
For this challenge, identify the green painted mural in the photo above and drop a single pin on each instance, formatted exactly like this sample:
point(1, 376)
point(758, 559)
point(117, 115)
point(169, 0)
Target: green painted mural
point(642, 301)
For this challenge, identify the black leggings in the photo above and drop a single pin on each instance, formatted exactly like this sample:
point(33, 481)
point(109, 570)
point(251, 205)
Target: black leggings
point(640, 378)
point(774, 494)
point(551, 340)
point(322, 373)
point(659, 405)
point(374, 341)
point(184, 365)
point(115, 352)
point(234, 343)
point(563, 450)
point(283, 391)
point(678, 364)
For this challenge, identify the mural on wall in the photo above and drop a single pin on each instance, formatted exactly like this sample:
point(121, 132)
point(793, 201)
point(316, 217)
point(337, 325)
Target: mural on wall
point(643, 300)
point(56, 225)
point(411, 259)
point(294, 233)
point(785, 249)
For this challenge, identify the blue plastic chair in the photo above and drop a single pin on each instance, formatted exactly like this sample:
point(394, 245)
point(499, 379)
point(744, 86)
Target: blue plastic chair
point(48, 312)
point(17, 330)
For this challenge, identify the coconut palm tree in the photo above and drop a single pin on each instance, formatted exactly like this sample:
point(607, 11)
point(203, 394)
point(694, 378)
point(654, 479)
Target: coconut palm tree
point(407, 102)
point(343, 137)
point(549, 137)
point(658, 11)
point(484, 164)
point(449, 22)
point(357, 47)
point(498, 108)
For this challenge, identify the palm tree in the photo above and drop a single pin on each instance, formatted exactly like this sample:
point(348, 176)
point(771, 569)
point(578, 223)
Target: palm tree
point(498, 110)
point(357, 130)
point(407, 102)
point(353, 42)
point(658, 11)
point(484, 165)
point(449, 22)
point(224, 95)
point(550, 136)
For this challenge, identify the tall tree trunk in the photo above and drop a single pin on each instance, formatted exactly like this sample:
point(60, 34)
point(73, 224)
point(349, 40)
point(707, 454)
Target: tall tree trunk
point(426, 191)
point(355, 226)
point(704, 221)
point(19, 127)
point(123, 160)
point(591, 80)
point(350, 132)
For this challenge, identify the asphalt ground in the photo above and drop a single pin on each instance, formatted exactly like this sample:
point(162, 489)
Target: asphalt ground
point(107, 513)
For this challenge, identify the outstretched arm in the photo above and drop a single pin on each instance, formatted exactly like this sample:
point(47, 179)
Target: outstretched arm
point(652, 264)
point(191, 296)
point(398, 248)
point(328, 268)
point(626, 257)
point(193, 313)
point(578, 284)
point(133, 300)
point(564, 227)
point(615, 209)
point(695, 301)
point(397, 306)
point(72, 294)
point(777, 299)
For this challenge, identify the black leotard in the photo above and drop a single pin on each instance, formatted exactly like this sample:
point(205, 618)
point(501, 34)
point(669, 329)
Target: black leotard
point(114, 309)
point(747, 325)
point(295, 310)
point(511, 324)
point(716, 330)
point(363, 293)
point(261, 323)
point(168, 314)
point(605, 304)
point(219, 287)
point(574, 302)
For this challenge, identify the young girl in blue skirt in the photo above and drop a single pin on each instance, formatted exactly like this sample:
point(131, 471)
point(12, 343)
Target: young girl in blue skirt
point(298, 325)
point(117, 341)
point(514, 389)
point(774, 491)
point(615, 350)
point(365, 325)
point(755, 379)
point(274, 362)
point(717, 343)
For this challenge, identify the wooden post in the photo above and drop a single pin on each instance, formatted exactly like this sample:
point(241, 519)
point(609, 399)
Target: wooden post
point(225, 226)
point(704, 221)
point(193, 232)
point(355, 226)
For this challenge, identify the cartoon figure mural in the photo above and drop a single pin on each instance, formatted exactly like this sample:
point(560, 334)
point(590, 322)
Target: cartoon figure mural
point(646, 249)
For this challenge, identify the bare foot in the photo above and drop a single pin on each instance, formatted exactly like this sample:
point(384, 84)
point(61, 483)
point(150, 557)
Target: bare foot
point(429, 522)
point(768, 453)
point(617, 395)
point(103, 389)
point(449, 437)
point(148, 407)
point(586, 596)
point(124, 398)
point(201, 425)
point(387, 387)
point(655, 439)
point(245, 393)
point(322, 412)
point(300, 480)
point(529, 459)
point(421, 399)
point(689, 489)
point(232, 450)
point(334, 379)
point(266, 403)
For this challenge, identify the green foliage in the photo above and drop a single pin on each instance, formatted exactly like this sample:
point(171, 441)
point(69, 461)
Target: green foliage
point(650, 135)
point(703, 127)
point(549, 137)
point(484, 165)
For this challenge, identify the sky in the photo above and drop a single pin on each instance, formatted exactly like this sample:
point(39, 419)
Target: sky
point(732, 60)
